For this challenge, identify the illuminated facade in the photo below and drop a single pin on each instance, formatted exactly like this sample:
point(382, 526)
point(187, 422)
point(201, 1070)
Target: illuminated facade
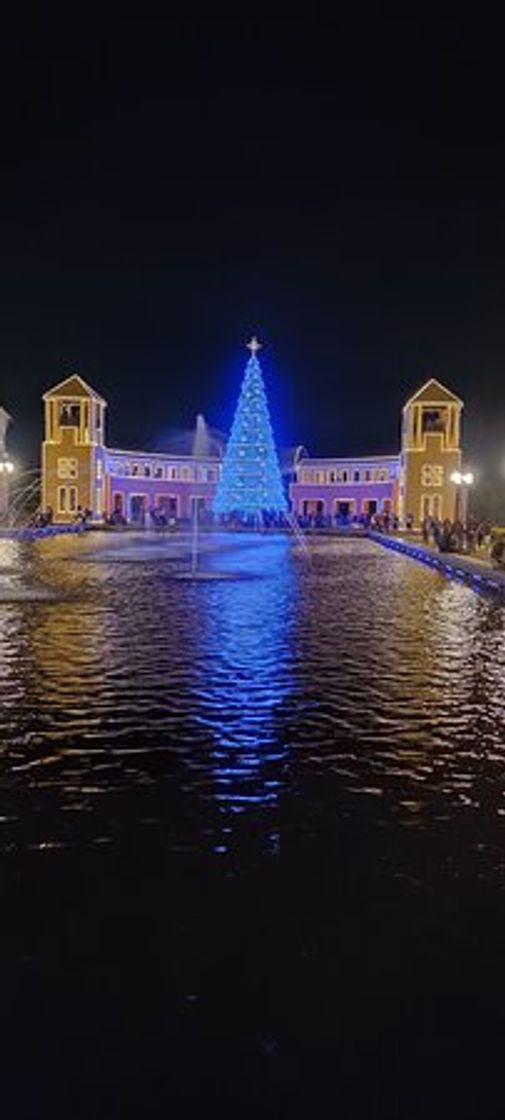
point(412, 485)
point(79, 470)
point(346, 488)
point(431, 453)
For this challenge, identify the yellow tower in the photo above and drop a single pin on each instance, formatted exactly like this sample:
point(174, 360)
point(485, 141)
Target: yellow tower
point(431, 452)
point(73, 450)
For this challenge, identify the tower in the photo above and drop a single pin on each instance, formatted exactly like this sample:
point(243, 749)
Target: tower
point(5, 464)
point(251, 483)
point(431, 452)
point(73, 450)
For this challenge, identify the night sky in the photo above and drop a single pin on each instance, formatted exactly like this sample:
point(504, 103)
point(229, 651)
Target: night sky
point(167, 187)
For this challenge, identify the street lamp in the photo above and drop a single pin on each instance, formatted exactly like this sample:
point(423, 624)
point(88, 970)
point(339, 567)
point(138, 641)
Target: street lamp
point(462, 482)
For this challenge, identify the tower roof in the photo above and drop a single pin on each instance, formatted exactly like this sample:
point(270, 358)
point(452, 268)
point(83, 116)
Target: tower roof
point(433, 392)
point(73, 386)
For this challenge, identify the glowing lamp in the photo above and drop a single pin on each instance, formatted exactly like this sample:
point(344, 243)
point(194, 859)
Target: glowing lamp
point(458, 478)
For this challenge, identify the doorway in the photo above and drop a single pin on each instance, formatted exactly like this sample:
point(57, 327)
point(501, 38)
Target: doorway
point(138, 509)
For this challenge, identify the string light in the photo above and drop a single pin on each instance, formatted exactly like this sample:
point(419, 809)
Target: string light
point(251, 482)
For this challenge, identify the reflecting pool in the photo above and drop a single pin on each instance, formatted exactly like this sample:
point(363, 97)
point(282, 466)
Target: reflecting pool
point(252, 827)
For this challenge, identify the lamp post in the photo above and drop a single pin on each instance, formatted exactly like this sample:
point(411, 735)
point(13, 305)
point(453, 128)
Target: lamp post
point(463, 482)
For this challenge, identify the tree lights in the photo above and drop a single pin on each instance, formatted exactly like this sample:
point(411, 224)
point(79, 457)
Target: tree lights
point(251, 482)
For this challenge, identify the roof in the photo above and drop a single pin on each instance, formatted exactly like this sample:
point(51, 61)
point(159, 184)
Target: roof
point(165, 455)
point(347, 460)
point(73, 386)
point(433, 392)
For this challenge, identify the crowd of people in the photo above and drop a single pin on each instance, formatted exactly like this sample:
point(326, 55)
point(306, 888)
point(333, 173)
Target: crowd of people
point(157, 518)
point(470, 537)
point(456, 536)
point(382, 522)
point(44, 518)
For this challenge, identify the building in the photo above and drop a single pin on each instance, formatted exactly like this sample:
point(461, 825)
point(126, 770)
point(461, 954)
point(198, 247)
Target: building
point(413, 484)
point(6, 466)
point(345, 488)
point(79, 470)
point(430, 453)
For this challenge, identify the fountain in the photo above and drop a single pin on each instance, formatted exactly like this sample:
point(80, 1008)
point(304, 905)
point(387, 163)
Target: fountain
point(25, 497)
point(201, 445)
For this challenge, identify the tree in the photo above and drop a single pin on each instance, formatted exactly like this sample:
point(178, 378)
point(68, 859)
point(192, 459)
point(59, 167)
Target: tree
point(251, 483)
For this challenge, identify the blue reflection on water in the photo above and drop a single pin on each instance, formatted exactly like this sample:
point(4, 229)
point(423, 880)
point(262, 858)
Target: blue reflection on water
point(248, 672)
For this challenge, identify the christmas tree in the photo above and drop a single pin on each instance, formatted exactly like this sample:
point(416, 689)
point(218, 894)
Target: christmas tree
point(251, 483)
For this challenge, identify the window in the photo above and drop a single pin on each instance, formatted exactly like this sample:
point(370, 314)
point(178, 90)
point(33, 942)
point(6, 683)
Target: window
point(185, 474)
point(384, 474)
point(211, 475)
point(67, 468)
point(147, 470)
point(431, 506)
point(135, 470)
point(368, 476)
point(432, 474)
point(173, 473)
point(67, 499)
point(357, 476)
point(332, 476)
point(437, 474)
point(343, 475)
point(69, 415)
point(433, 420)
point(159, 472)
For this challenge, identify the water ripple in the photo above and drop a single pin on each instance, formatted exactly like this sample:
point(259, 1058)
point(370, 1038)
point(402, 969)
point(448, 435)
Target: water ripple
point(350, 686)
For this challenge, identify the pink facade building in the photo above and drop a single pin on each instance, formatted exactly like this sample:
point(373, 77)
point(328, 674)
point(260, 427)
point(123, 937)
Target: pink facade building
point(139, 482)
point(342, 489)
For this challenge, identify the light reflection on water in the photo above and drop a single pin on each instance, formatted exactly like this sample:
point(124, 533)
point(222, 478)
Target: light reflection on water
point(354, 686)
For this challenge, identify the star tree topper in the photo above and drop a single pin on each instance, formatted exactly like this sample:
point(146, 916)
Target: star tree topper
point(254, 346)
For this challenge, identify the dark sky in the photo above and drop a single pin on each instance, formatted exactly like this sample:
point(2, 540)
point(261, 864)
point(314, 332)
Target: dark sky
point(169, 186)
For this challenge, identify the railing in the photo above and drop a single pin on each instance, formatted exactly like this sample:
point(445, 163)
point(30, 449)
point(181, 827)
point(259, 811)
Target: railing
point(460, 568)
point(29, 533)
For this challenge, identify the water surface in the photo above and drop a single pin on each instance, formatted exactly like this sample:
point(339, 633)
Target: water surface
point(264, 793)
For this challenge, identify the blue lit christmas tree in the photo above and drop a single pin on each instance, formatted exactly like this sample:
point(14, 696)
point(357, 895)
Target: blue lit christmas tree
point(251, 483)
